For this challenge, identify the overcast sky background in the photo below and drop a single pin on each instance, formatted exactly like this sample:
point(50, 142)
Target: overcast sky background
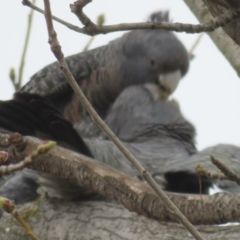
point(209, 95)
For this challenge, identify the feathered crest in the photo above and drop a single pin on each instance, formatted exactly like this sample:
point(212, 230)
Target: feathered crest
point(160, 16)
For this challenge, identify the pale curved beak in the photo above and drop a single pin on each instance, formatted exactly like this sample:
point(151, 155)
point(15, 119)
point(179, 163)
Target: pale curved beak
point(169, 81)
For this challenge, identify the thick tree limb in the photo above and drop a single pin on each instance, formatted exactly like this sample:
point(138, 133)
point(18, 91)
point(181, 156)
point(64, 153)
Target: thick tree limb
point(218, 8)
point(133, 194)
point(100, 220)
point(224, 43)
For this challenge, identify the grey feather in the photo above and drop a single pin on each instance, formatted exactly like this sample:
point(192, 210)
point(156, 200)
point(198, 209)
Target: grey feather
point(159, 137)
point(162, 140)
point(137, 57)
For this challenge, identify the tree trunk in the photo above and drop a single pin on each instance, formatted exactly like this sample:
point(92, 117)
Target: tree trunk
point(99, 220)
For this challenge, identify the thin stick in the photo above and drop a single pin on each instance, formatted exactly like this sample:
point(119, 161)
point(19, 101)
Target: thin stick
point(56, 48)
point(9, 207)
point(88, 44)
point(22, 62)
point(197, 41)
point(94, 29)
point(25, 225)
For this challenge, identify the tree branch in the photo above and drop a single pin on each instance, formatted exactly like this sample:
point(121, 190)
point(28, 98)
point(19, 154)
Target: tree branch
point(135, 195)
point(100, 220)
point(93, 29)
point(225, 174)
point(56, 49)
point(41, 149)
point(224, 43)
point(217, 8)
point(9, 207)
point(18, 85)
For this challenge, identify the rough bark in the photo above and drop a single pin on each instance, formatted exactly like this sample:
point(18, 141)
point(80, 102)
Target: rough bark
point(226, 45)
point(99, 220)
point(220, 7)
point(131, 193)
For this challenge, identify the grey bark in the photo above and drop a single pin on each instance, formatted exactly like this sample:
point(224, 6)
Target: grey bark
point(226, 45)
point(99, 220)
point(220, 7)
point(131, 193)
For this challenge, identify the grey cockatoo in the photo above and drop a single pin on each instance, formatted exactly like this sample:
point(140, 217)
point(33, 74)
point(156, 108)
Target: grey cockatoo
point(154, 131)
point(142, 56)
point(138, 57)
point(165, 141)
point(154, 135)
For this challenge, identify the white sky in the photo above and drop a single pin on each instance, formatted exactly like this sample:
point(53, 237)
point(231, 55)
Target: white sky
point(209, 95)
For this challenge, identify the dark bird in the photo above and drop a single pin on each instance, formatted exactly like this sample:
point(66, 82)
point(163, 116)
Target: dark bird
point(155, 132)
point(154, 135)
point(136, 58)
point(128, 82)
point(30, 114)
point(33, 115)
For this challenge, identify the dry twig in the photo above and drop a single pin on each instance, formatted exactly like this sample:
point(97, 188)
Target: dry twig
point(56, 49)
point(42, 148)
point(210, 174)
point(195, 44)
point(17, 84)
point(225, 170)
point(100, 21)
point(93, 29)
point(225, 174)
point(21, 67)
point(9, 207)
point(133, 194)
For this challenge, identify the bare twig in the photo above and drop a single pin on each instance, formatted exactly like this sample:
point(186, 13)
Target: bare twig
point(22, 62)
point(42, 148)
point(93, 29)
point(12, 76)
point(225, 170)
point(197, 41)
point(210, 174)
point(56, 48)
point(100, 21)
point(83, 18)
point(225, 174)
point(132, 193)
point(88, 44)
point(9, 207)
